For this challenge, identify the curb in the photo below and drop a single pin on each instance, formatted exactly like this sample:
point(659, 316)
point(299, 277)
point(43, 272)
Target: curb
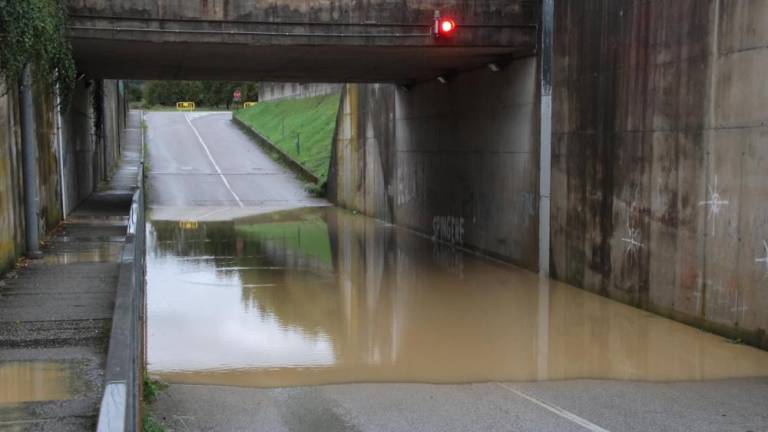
point(267, 145)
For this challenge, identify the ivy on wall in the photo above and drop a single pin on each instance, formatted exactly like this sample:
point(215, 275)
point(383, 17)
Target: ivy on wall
point(35, 31)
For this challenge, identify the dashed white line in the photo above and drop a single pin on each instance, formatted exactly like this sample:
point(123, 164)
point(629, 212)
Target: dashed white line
point(586, 424)
point(210, 157)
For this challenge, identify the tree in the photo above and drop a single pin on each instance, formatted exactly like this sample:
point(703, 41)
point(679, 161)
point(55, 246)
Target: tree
point(203, 93)
point(35, 32)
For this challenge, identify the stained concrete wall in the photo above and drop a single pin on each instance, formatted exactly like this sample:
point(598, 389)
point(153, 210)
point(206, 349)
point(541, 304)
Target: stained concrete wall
point(49, 184)
point(79, 135)
point(11, 198)
point(660, 168)
point(71, 142)
point(114, 122)
point(492, 12)
point(12, 224)
point(457, 162)
point(287, 90)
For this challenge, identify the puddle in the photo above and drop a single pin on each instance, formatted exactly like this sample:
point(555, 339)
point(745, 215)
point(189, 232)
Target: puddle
point(98, 220)
point(35, 381)
point(107, 252)
point(91, 239)
point(315, 296)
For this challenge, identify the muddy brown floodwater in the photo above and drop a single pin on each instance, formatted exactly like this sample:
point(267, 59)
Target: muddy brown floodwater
point(318, 295)
point(34, 381)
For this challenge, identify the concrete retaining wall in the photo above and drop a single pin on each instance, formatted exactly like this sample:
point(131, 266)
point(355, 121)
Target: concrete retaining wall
point(279, 90)
point(11, 186)
point(71, 142)
point(458, 162)
point(660, 163)
point(11, 198)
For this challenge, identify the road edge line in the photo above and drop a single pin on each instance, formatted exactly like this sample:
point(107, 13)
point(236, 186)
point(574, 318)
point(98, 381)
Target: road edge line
point(557, 410)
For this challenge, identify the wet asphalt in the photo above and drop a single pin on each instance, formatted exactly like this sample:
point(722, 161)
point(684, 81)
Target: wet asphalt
point(202, 166)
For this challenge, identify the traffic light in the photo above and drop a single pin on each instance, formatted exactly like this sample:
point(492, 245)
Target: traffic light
point(444, 27)
point(447, 26)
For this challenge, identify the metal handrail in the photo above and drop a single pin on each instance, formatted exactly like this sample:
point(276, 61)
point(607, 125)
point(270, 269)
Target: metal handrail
point(120, 409)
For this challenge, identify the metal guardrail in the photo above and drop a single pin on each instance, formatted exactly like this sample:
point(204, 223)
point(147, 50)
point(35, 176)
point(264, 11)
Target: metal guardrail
point(120, 409)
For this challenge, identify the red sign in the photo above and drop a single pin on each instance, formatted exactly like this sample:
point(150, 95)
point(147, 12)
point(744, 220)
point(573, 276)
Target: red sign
point(236, 95)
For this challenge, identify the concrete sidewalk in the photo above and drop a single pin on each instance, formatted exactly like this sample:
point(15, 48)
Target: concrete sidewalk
point(55, 313)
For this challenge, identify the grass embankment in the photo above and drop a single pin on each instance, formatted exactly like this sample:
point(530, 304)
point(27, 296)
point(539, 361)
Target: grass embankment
point(312, 120)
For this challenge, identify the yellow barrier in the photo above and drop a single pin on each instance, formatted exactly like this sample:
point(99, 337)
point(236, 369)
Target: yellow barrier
point(188, 225)
point(249, 104)
point(185, 106)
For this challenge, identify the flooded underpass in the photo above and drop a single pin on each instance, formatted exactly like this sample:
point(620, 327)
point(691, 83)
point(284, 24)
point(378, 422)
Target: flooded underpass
point(320, 295)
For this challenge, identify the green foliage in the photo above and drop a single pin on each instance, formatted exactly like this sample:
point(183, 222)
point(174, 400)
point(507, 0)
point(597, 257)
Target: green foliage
point(202, 93)
point(151, 389)
point(35, 32)
point(302, 128)
point(133, 90)
point(149, 424)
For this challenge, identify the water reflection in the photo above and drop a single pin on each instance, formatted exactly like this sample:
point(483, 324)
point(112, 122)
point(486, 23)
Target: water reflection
point(319, 295)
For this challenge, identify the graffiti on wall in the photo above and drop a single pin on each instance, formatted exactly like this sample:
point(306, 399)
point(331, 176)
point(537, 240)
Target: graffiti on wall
point(449, 229)
point(632, 240)
point(632, 236)
point(714, 204)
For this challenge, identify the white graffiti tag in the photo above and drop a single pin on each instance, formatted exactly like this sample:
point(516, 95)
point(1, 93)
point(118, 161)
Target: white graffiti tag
point(714, 204)
point(633, 241)
point(765, 258)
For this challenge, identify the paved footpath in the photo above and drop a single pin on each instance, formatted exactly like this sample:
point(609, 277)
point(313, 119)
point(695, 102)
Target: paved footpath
point(56, 313)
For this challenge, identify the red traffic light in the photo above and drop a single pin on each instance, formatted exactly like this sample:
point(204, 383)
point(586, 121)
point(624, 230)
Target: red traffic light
point(445, 27)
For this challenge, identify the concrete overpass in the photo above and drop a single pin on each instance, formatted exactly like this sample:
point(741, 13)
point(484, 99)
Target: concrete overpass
point(292, 40)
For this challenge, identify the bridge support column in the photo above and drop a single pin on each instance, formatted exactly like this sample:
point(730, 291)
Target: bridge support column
point(545, 130)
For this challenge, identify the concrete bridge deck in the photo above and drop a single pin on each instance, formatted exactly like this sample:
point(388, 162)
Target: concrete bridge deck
point(344, 41)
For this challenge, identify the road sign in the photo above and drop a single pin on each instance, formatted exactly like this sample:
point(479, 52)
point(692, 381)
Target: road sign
point(237, 95)
point(185, 106)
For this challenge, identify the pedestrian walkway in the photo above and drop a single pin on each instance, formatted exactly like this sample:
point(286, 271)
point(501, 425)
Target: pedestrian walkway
point(56, 313)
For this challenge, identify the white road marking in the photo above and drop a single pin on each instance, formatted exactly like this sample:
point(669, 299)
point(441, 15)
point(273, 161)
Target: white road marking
point(218, 170)
point(586, 424)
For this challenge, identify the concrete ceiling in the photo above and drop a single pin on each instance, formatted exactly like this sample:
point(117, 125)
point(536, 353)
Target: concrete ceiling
point(226, 61)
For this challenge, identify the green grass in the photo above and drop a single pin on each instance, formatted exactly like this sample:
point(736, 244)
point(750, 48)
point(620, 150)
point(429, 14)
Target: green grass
point(313, 120)
point(152, 389)
point(149, 424)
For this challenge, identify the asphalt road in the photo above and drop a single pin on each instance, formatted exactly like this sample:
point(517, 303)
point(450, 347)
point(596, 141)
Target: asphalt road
point(202, 167)
point(201, 160)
